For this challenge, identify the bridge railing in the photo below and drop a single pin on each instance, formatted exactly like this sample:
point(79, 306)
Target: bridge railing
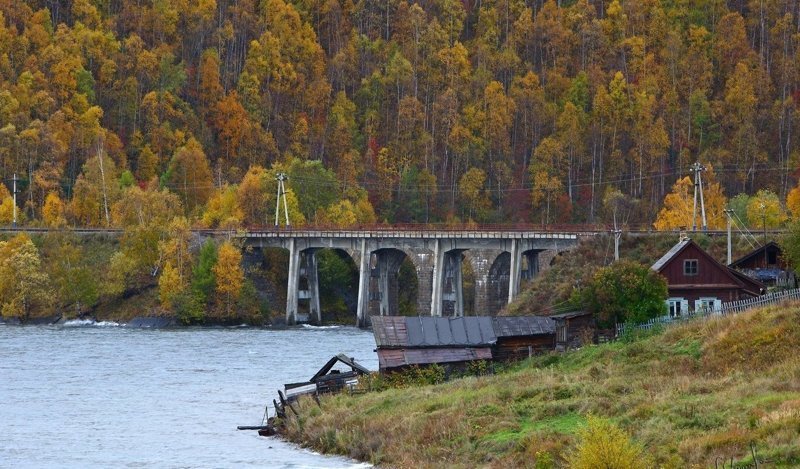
point(578, 228)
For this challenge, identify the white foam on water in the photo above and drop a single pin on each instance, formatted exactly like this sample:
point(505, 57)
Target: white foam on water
point(309, 326)
point(90, 323)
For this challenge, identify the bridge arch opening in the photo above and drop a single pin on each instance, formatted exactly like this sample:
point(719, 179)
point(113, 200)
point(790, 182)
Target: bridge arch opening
point(498, 280)
point(394, 283)
point(337, 272)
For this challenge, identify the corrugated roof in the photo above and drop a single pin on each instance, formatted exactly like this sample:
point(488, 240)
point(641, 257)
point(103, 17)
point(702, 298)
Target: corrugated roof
point(670, 254)
point(470, 331)
point(510, 326)
point(442, 332)
point(418, 331)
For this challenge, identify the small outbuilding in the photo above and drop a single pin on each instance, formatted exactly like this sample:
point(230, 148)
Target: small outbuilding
point(415, 340)
point(574, 330)
point(520, 337)
point(328, 378)
point(767, 265)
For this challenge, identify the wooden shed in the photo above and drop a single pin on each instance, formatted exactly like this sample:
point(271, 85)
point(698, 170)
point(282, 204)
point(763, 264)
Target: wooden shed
point(405, 341)
point(698, 282)
point(574, 329)
point(328, 379)
point(767, 265)
point(520, 337)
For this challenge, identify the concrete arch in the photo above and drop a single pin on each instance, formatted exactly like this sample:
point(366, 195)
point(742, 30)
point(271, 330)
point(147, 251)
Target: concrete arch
point(312, 287)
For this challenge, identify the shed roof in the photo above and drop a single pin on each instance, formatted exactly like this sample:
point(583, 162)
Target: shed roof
point(511, 326)
point(570, 315)
point(340, 358)
point(759, 251)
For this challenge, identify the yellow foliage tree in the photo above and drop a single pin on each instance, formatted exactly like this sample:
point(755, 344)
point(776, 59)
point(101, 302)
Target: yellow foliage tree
point(603, 444)
point(24, 286)
point(169, 286)
point(53, 211)
point(223, 210)
point(793, 202)
point(678, 205)
point(764, 210)
point(229, 276)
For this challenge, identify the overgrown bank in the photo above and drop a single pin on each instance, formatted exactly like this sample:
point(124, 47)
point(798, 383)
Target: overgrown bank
point(689, 395)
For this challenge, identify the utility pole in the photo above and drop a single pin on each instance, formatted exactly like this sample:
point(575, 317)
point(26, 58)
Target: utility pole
point(617, 235)
point(281, 178)
point(728, 212)
point(14, 189)
point(697, 169)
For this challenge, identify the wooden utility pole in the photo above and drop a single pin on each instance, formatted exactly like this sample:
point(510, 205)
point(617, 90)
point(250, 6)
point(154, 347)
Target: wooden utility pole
point(728, 213)
point(14, 189)
point(697, 169)
point(281, 178)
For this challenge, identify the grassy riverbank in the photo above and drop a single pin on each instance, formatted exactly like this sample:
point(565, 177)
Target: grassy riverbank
point(689, 395)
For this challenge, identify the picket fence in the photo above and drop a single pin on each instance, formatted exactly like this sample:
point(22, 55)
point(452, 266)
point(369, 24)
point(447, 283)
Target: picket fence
point(727, 309)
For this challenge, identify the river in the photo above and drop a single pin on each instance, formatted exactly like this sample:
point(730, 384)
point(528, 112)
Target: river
point(88, 395)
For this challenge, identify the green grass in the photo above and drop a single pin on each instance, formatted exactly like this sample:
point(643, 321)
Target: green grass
point(690, 394)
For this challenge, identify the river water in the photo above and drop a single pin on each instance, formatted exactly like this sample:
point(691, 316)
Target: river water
point(85, 395)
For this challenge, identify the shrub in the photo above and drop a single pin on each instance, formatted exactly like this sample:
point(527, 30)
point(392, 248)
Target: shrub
point(604, 445)
point(623, 292)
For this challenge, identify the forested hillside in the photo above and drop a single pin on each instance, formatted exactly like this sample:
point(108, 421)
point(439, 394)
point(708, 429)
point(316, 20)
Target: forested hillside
point(158, 116)
point(432, 111)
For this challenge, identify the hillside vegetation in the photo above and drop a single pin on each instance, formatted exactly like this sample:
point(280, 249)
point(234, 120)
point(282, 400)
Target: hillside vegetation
point(551, 290)
point(689, 395)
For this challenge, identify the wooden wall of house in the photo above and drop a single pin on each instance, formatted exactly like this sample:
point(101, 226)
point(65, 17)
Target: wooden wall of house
point(521, 347)
point(708, 273)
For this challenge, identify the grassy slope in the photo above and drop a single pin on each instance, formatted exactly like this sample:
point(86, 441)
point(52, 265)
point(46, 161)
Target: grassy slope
point(690, 394)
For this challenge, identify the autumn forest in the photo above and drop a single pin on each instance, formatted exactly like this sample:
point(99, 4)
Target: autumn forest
point(158, 116)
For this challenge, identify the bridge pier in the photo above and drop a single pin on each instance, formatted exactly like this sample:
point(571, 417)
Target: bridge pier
point(293, 283)
point(388, 267)
point(363, 286)
point(453, 294)
point(310, 269)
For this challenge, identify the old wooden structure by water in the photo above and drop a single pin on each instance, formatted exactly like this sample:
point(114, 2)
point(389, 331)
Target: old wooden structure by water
point(327, 380)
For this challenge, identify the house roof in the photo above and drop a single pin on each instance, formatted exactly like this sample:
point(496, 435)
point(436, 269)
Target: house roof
point(418, 331)
point(511, 326)
point(661, 263)
point(755, 252)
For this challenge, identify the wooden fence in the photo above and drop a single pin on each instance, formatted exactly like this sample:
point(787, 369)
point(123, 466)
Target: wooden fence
point(729, 308)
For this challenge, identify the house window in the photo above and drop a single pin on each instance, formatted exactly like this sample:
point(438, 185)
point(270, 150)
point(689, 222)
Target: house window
point(772, 258)
point(675, 306)
point(707, 305)
point(690, 267)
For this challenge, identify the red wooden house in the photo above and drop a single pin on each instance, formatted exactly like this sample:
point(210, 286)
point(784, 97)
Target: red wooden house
point(698, 282)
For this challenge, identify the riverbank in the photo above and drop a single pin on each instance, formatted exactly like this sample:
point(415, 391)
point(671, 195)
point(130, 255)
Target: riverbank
point(690, 395)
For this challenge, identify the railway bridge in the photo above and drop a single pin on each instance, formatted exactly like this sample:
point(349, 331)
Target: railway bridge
point(499, 260)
